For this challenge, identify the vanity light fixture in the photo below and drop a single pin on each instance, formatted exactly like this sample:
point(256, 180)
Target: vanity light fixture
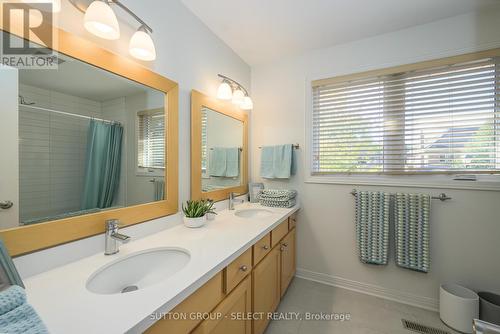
point(100, 20)
point(141, 45)
point(230, 89)
point(224, 92)
point(247, 103)
point(238, 96)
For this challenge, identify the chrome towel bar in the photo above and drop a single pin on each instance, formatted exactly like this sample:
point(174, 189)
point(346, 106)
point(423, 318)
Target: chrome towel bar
point(442, 197)
point(295, 146)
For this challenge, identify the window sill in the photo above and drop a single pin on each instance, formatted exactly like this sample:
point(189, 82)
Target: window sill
point(156, 173)
point(484, 182)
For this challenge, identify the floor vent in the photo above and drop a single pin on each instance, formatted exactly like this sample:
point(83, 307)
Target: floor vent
point(419, 328)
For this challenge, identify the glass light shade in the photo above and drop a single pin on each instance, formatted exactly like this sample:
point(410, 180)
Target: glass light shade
point(56, 4)
point(224, 92)
point(247, 103)
point(141, 46)
point(101, 21)
point(238, 97)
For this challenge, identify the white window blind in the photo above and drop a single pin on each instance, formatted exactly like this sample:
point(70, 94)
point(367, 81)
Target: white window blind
point(151, 139)
point(204, 148)
point(436, 120)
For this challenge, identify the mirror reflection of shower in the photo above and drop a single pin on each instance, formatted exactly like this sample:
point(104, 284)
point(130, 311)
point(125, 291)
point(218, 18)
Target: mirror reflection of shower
point(88, 141)
point(79, 148)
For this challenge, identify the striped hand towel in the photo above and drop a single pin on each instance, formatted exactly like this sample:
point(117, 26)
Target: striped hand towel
point(412, 213)
point(372, 226)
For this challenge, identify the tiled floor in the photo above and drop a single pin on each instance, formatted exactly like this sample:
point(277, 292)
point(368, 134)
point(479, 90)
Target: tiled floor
point(369, 315)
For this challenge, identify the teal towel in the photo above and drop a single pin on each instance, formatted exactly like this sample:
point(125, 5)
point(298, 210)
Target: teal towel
point(159, 190)
point(11, 298)
point(277, 162)
point(8, 267)
point(16, 316)
point(372, 226)
point(266, 162)
point(412, 220)
point(218, 162)
point(232, 162)
point(282, 161)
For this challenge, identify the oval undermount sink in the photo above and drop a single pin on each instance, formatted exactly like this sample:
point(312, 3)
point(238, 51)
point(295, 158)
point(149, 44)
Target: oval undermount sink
point(253, 213)
point(138, 270)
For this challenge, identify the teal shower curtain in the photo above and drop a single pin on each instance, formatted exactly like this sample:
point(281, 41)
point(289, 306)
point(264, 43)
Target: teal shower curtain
point(102, 172)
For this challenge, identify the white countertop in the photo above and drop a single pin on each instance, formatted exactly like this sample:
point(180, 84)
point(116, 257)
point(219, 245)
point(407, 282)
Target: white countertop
point(66, 306)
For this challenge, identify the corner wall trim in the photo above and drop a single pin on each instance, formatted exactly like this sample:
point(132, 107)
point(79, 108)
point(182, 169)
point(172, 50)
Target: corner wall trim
point(427, 303)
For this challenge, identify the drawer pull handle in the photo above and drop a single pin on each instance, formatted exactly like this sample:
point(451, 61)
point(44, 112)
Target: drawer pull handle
point(243, 268)
point(265, 247)
point(285, 245)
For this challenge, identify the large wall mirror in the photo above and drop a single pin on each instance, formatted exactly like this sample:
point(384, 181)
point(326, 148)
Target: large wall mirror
point(218, 148)
point(90, 140)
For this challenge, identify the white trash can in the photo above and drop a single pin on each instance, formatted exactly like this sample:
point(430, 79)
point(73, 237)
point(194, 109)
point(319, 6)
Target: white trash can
point(458, 306)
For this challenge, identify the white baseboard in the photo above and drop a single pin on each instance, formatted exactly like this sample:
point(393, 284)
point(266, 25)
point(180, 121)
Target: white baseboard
point(427, 303)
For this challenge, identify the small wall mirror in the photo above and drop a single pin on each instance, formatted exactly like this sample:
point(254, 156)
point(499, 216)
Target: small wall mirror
point(218, 148)
point(90, 140)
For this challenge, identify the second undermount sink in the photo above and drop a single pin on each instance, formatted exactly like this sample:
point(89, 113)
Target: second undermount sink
point(138, 270)
point(253, 213)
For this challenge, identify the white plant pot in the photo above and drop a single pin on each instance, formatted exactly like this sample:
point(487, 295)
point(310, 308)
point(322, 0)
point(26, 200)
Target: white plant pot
point(195, 222)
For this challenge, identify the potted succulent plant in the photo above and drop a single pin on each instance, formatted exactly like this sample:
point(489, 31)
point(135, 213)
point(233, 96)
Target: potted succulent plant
point(195, 212)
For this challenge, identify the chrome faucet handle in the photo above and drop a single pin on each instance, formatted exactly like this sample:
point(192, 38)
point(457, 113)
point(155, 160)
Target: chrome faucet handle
point(112, 238)
point(112, 224)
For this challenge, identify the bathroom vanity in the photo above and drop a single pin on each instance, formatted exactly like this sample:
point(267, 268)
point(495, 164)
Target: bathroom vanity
point(241, 262)
point(241, 296)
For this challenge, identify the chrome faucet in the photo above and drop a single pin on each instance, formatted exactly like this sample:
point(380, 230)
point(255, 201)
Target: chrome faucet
point(232, 200)
point(112, 238)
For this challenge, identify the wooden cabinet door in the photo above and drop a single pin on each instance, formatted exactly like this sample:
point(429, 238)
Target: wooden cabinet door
point(266, 288)
point(287, 247)
point(224, 318)
point(201, 301)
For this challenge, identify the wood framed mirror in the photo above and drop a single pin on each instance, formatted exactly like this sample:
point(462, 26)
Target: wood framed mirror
point(94, 139)
point(219, 148)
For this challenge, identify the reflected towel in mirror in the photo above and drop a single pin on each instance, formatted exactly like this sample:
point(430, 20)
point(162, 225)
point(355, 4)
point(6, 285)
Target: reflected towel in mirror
point(232, 162)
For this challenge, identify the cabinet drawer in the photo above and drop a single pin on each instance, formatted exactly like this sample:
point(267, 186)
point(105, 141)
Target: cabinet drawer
point(278, 233)
point(292, 221)
point(261, 248)
point(238, 270)
point(202, 300)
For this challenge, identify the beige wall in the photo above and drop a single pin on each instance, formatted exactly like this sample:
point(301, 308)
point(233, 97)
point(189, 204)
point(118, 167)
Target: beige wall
point(464, 231)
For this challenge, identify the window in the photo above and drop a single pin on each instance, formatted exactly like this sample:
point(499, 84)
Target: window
point(151, 139)
point(204, 148)
point(432, 120)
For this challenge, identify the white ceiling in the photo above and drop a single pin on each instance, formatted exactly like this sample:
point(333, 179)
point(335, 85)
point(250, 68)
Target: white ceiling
point(264, 30)
point(77, 78)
